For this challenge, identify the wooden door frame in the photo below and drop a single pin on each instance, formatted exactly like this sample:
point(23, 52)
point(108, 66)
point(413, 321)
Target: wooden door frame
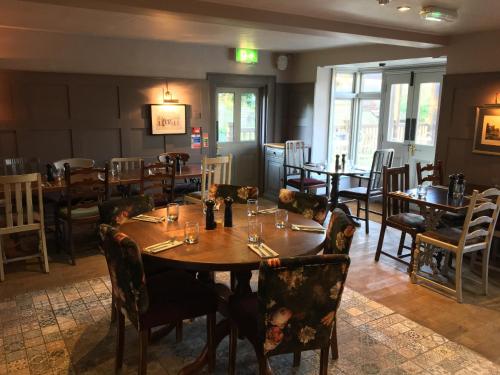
point(267, 96)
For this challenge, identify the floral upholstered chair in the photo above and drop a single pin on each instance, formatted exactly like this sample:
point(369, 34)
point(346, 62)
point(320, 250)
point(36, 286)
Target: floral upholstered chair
point(309, 205)
point(117, 211)
point(149, 302)
point(240, 194)
point(339, 234)
point(294, 309)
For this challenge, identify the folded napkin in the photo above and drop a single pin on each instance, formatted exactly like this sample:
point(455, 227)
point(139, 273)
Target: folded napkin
point(263, 251)
point(150, 219)
point(268, 210)
point(156, 248)
point(307, 228)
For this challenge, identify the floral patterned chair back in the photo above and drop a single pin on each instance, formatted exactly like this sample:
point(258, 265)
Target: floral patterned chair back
point(309, 205)
point(116, 212)
point(339, 233)
point(298, 301)
point(126, 272)
point(240, 194)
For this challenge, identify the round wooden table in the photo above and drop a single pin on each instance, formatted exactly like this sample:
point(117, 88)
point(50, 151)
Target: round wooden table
point(222, 249)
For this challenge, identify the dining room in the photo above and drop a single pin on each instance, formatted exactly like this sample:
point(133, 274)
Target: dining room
point(212, 186)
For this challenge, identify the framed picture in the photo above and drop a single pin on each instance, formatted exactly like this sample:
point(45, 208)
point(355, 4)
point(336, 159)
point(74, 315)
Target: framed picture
point(487, 132)
point(168, 118)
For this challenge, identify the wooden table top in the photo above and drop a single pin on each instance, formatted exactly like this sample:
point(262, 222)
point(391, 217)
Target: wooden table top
point(437, 197)
point(223, 249)
point(330, 170)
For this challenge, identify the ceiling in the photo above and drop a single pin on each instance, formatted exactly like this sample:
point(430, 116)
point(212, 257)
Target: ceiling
point(277, 25)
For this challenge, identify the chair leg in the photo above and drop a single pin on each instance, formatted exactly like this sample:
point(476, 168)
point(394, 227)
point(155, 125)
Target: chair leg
point(333, 342)
point(380, 241)
point(367, 216)
point(358, 208)
point(485, 267)
point(143, 351)
point(323, 361)
point(401, 243)
point(458, 277)
point(43, 250)
point(113, 307)
point(296, 358)
point(178, 332)
point(233, 345)
point(120, 338)
point(70, 243)
point(2, 274)
point(211, 322)
point(416, 261)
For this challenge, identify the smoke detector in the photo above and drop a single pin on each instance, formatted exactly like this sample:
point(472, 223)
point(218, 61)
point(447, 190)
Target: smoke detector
point(436, 14)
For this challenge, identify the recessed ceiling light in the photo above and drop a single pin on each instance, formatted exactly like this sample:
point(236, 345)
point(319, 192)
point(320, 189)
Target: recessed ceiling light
point(436, 14)
point(404, 8)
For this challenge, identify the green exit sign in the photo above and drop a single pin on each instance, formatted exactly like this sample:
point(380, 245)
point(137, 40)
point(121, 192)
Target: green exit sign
point(247, 56)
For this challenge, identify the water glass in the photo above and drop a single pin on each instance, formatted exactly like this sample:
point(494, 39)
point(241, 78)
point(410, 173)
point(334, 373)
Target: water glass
point(458, 191)
point(172, 212)
point(252, 207)
point(281, 218)
point(254, 231)
point(421, 191)
point(191, 232)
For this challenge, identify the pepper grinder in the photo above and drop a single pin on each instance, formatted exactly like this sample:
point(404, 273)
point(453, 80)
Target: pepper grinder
point(337, 163)
point(210, 217)
point(228, 212)
point(50, 173)
point(343, 161)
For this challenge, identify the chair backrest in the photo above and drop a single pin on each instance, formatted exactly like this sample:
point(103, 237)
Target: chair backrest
point(184, 157)
point(240, 194)
point(74, 163)
point(85, 187)
point(18, 206)
point(215, 171)
point(481, 218)
point(430, 172)
point(298, 301)
point(381, 158)
point(126, 272)
point(394, 179)
point(309, 205)
point(340, 233)
point(158, 180)
point(295, 156)
point(125, 164)
point(117, 211)
point(15, 166)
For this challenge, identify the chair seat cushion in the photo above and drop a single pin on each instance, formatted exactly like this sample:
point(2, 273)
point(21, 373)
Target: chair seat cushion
point(295, 182)
point(358, 191)
point(453, 219)
point(80, 213)
point(408, 219)
point(244, 310)
point(451, 235)
point(176, 295)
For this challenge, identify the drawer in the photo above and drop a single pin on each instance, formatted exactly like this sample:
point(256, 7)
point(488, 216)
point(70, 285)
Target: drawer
point(273, 152)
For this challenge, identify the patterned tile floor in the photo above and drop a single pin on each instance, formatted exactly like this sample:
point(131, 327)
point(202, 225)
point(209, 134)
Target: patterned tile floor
point(67, 331)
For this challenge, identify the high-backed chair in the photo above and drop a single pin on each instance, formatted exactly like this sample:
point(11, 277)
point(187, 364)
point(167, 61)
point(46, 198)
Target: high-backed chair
point(476, 235)
point(152, 301)
point(182, 187)
point(85, 189)
point(295, 175)
point(240, 194)
point(395, 213)
point(23, 215)
point(213, 171)
point(373, 188)
point(74, 163)
point(311, 206)
point(340, 233)
point(158, 180)
point(13, 166)
point(430, 172)
point(284, 316)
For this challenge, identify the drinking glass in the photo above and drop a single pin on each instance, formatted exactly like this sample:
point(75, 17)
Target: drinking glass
point(172, 212)
point(281, 218)
point(191, 232)
point(459, 191)
point(252, 207)
point(421, 191)
point(254, 231)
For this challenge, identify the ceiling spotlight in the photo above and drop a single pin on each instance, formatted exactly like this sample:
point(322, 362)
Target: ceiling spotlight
point(435, 14)
point(404, 8)
point(383, 2)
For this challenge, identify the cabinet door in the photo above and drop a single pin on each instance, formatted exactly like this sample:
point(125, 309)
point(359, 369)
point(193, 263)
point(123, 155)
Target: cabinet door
point(274, 178)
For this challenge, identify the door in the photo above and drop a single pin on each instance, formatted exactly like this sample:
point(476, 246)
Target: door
point(237, 129)
point(410, 117)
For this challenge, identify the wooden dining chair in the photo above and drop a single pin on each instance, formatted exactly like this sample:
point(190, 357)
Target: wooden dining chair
point(182, 156)
point(395, 213)
point(373, 188)
point(310, 206)
point(74, 163)
point(284, 316)
point(295, 156)
point(158, 180)
point(476, 235)
point(13, 166)
point(239, 194)
point(21, 213)
point(85, 189)
point(182, 187)
point(213, 171)
point(150, 301)
point(432, 173)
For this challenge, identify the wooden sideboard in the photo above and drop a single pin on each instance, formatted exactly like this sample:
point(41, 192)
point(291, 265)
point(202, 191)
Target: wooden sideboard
point(273, 170)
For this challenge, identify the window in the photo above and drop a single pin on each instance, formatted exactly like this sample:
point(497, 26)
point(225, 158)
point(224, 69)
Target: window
point(354, 116)
point(428, 104)
point(248, 118)
point(225, 108)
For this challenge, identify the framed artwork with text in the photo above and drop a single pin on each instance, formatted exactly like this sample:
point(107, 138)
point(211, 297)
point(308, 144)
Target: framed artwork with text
point(168, 119)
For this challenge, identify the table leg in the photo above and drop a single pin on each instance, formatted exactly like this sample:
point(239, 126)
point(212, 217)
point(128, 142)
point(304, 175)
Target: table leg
point(334, 199)
point(430, 255)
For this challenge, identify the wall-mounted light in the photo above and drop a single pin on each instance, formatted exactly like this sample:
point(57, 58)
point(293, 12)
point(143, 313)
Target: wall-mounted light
point(167, 95)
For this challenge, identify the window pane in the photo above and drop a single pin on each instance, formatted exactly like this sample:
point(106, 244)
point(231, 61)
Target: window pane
point(225, 114)
point(397, 113)
point(344, 82)
point(371, 82)
point(248, 117)
point(369, 114)
point(428, 106)
point(341, 127)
